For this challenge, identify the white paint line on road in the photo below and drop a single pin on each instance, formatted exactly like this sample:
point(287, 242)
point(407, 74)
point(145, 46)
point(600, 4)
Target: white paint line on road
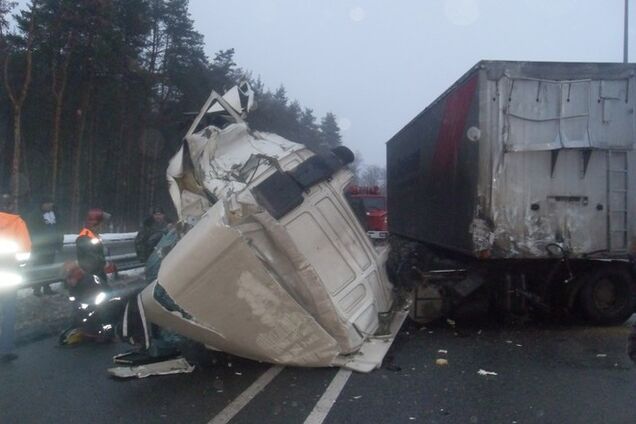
point(328, 399)
point(244, 398)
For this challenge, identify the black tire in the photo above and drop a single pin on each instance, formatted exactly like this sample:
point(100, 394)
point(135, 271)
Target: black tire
point(607, 296)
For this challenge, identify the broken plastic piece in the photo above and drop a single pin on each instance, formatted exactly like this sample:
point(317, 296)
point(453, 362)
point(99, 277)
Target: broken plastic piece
point(133, 358)
point(172, 366)
point(484, 372)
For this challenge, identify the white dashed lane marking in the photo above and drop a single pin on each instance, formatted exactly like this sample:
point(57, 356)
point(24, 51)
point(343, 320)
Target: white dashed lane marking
point(328, 399)
point(244, 398)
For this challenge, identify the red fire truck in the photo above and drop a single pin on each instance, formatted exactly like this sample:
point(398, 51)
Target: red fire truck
point(369, 205)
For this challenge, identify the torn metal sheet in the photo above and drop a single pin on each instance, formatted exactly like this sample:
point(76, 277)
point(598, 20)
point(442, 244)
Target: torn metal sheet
point(276, 266)
point(172, 366)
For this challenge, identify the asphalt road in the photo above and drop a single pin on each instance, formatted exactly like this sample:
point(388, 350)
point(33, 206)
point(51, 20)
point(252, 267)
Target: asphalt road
point(545, 374)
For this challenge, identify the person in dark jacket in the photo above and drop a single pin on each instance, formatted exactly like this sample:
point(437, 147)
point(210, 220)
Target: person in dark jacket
point(91, 256)
point(153, 229)
point(47, 239)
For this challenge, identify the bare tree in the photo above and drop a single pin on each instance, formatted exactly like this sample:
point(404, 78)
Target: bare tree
point(356, 167)
point(373, 175)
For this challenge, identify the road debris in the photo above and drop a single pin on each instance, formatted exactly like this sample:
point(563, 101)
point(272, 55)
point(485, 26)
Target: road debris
point(357, 397)
point(441, 362)
point(450, 322)
point(443, 351)
point(484, 372)
point(601, 355)
point(173, 366)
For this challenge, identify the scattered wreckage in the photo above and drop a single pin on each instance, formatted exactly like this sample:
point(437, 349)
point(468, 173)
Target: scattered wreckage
point(275, 266)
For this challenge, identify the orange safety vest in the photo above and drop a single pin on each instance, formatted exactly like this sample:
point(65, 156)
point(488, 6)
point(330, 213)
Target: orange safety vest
point(13, 228)
point(87, 233)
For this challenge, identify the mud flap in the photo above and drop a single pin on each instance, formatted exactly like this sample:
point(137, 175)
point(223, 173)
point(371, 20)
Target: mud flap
point(172, 366)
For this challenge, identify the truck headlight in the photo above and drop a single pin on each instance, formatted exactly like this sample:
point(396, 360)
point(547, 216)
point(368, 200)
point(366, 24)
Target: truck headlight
point(9, 279)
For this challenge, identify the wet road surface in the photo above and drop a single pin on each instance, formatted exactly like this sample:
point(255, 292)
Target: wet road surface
point(545, 374)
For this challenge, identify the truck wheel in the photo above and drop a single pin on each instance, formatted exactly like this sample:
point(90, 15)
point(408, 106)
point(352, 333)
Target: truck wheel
point(607, 296)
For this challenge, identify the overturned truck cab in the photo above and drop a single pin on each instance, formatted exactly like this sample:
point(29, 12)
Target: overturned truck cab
point(274, 266)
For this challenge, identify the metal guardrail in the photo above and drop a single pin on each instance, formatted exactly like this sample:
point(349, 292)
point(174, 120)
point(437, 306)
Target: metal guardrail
point(55, 272)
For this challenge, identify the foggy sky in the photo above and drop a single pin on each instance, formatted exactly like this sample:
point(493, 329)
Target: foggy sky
point(376, 64)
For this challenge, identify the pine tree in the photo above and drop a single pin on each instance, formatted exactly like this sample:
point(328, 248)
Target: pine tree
point(329, 131)
point(310, 134)
point(224, 73)
point(109, 83)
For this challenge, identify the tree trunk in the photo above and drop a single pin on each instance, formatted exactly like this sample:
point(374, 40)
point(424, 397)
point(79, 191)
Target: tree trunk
point(17, 101)
point(91, 154)
point(121, 187)
point(77, 162)
point(55, 139)
point(58, 87)
point(153, 173)
point(15, 163)
point(55, 145)
point(143, 175)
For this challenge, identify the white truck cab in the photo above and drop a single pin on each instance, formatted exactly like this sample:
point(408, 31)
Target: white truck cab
point(275, 266)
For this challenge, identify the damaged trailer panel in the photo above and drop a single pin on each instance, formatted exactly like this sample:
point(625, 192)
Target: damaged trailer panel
point(275, 266)
point(513, 189)
point(516, 156)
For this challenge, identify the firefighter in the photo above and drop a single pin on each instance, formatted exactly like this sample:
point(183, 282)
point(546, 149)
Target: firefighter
point(15, 249)
point(90, 250)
